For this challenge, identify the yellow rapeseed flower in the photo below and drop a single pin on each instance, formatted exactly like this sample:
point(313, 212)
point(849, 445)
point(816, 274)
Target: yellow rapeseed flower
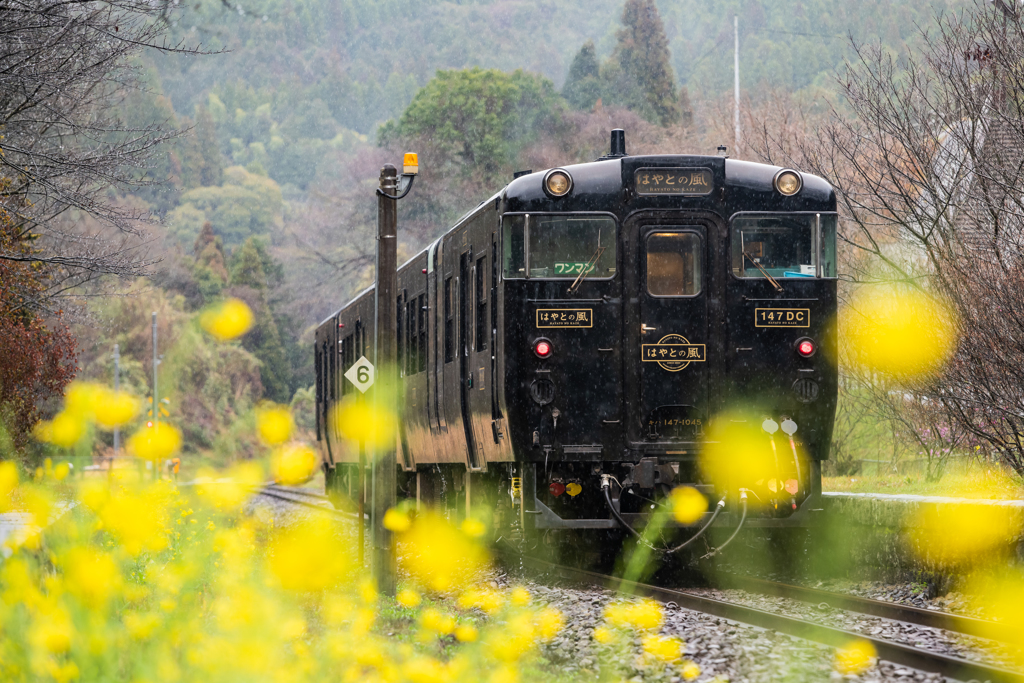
point(80, 398)
point(645, 615)
point(955, 533)
point(473, 527)
point(114, 408)
point(436, 554)
point(514, 640)
point(155, 443)
point(736, 453)
point(664, 648)
point(900, 332)
point(688, 504)
point(466, 633)
point(8, 483)
point(52, 630)
point(227, 320)
point(408, 598)
point(138, 521)
point(294, 464)
point(433, 620)
point(65, 429)
point(359, 420)
point(605, 635)
point(274, 423)
point(549, 622)
point(397, 520)
point(520, 597)
point(232, 488)
point(855, 658)
point(690, 671)
point(91, 575)
point(489, 601)
point(308, 557)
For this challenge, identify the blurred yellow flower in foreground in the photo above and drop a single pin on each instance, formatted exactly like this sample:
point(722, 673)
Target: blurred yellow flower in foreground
point(437, 554)
point(114, 408)
point(274, 423)
point(91, 575)
point(64, 430)
point(736, 452)
point(362, 421)
point(227, 320)
point(8, 483)
point(688, 504)
point(605, 635)
point(466, 633)
point(899, 332)
point(855, 658)
point(309, 556)
point(233, 488)
point(665, 648)
point(954, 533)
point(473, 527)
point(549, 622)
point(435, 621)
point(396, 520)
point(690, 671)
point(520, 597)
point(999, 596)
point(154, 443)
point(407, 598)
point(645, 615)
point(293, 464)
point(80, 398)
point(138, 521)
point(489, 601)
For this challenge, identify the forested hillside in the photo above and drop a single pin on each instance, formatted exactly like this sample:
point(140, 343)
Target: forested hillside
point(295, 105)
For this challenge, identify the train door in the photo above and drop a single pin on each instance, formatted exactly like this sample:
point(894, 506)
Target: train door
point(673, 333)
point(465, 343)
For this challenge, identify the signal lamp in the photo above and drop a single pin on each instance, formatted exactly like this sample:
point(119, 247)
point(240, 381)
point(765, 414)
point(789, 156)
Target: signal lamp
point(556, 488)
point(410, 164)
point(806, 347)
point(542, 347)
point(788, 182)
point(557, 182)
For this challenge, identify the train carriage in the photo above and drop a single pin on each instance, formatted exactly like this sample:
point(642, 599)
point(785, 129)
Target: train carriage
point(573, 338)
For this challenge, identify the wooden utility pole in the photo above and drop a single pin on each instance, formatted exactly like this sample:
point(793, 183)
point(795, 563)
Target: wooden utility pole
point(384, 461)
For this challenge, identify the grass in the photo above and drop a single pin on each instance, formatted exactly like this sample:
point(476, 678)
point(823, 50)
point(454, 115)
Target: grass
point(961, 479)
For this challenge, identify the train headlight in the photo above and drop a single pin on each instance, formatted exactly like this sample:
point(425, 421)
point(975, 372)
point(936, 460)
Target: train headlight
point(788, 182)
point(557, 182)
point(542, 347)
point(806, 347)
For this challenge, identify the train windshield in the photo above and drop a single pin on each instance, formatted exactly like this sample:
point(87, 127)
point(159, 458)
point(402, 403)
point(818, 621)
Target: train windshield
point(561, 246)
point(784, 245)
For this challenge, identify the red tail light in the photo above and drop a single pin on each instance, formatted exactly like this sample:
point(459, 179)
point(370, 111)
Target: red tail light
point(542, 347)
point(806, 348)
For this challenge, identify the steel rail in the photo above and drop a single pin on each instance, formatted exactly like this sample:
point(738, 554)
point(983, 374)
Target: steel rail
point(897, 653)
point(277, 493)
point(877, 608)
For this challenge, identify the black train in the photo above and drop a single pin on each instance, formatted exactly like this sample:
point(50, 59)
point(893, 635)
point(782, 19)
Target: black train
point(572, 339)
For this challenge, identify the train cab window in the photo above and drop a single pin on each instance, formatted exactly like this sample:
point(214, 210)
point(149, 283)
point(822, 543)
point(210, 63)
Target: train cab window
point(784, 245)
point(559, 246)
point(674, 264)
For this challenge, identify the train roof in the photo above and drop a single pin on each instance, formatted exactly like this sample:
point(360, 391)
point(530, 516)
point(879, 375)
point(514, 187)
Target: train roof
point(606, 182)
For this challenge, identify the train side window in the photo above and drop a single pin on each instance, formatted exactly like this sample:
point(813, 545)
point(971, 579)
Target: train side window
point(449, 323)
point(399, 336)
point(421, 332)
point(481, 303)
point(674, 264)
point(828, 224)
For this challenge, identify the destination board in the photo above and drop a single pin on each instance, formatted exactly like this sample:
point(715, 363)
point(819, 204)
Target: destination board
point(564, 317)
point(685, 181)
point(782, 317)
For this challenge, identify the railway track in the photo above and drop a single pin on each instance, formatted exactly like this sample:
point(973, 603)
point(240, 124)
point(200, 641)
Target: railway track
point(888, 650)
point(876, 608)
point(304, 497)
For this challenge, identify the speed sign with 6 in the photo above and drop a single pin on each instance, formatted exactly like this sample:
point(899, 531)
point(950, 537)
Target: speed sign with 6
point(361, 374)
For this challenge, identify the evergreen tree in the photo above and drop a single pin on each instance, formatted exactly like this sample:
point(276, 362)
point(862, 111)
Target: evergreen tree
point(209, 270)
point(582, 88)
point(639, 74)
point(249, 280)
point(211, 168)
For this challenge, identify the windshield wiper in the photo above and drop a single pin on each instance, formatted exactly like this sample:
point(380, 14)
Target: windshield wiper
point(764, 272)
point(590, 264)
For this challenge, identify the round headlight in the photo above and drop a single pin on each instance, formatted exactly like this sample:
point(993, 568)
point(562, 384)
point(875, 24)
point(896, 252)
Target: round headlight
point(557, 182)
point(788, 182)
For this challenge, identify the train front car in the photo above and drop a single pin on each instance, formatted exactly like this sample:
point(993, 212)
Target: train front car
point(668, 320)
